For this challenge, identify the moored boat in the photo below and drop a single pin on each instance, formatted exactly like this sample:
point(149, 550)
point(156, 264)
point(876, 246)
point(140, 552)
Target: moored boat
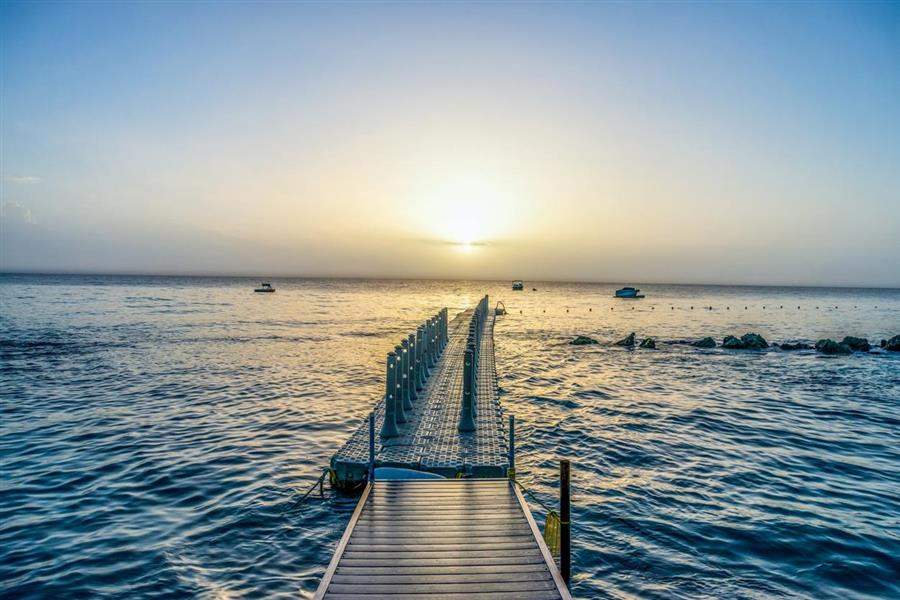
point(628, 292)
point(518, 285)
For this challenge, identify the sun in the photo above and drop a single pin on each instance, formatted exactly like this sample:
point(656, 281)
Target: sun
point(465, 212)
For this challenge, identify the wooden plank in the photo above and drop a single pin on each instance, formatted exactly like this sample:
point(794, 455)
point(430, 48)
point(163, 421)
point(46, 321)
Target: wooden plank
point(426, 548)
point(422, 484)
point(471, 567)
point(414, 503)
point(360, 538)
point(359, 553)
point(444, 588)
point(431, 578)
point(536, 595)
point(455, 516)
point(427, 532)
point(362, 559)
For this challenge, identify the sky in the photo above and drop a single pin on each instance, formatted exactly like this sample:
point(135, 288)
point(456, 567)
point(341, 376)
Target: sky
point(617, 142)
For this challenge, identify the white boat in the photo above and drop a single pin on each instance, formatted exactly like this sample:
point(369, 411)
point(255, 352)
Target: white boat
point(518, 285)
point(628, 292)
point(264, 287)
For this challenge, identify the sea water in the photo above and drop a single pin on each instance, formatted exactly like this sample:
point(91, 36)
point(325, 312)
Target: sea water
point(157, 433)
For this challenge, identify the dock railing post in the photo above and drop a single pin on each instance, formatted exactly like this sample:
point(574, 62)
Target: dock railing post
point(432, 347)
point(512, 447)
point(399, 404)
point(411, 367)
point(371, 446)
point(404, 372)
point(466, 418)
point(565, 527)
point(389, 427)
point(420, 355)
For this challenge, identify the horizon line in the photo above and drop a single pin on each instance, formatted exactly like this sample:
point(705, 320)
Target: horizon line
point(211, 275)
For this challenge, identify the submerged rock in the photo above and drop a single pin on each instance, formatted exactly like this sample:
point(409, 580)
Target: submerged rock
point(629, 341)
point(583, 340)
point(754, 341)
point(832, 347)
point(748, 341)
point(797, 346)
point(648, 343)
point(732, 343)
point(855, 343)
point(893, 344)
point(706, 342)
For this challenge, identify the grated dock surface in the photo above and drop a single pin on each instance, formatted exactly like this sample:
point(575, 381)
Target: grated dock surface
point(430, 440)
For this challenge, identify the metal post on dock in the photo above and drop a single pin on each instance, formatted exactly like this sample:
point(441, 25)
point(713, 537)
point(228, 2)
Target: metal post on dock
point(389, 427)
point(371, 446)
point(466, 417)
point(433, 349)
point(411, 367)
point(404, 369)
point(420, 358)
point(512, 446)
point(565, 527)
point(399, 404)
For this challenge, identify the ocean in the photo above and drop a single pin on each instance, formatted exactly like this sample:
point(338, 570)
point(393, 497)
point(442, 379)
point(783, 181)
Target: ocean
point(157, 433)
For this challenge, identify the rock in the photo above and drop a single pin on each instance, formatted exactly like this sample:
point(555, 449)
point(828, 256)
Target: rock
point(629, 341)
point(832, 347)
point(893, 344)
point(706, 342)
point(583, 340)
point(648, 343)
point(732, 343)
point(855, 343)
point(797, 346)
point(754, 341)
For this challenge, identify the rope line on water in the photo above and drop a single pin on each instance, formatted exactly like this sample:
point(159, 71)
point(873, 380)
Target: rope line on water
point(551, 524)
point(317, 483)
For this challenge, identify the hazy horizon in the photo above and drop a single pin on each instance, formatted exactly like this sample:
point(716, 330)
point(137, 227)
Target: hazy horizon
point(717, 144)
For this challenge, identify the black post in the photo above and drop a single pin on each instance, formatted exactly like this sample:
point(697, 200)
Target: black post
point(371, 447)
point(565, 528)
point(512, 447)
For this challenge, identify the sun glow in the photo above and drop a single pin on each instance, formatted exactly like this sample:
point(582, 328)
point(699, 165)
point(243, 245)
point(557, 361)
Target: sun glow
point(466, 212)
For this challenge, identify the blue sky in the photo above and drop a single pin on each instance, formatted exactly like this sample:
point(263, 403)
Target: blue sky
point(724, 143)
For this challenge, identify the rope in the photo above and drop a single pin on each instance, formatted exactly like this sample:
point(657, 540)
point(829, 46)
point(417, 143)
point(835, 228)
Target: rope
point(551, 524)
point(318, 483)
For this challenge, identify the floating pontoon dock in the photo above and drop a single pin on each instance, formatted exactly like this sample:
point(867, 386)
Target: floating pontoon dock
point(430, 438)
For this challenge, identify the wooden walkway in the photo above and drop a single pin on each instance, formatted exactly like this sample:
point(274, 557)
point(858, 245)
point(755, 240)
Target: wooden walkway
point(448, 539)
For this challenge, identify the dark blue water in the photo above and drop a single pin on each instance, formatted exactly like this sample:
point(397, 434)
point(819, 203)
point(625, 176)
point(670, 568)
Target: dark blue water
point(157, 433)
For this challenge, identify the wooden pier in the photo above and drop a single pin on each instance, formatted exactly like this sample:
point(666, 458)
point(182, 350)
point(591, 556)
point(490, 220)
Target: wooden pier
point(469, 534)
point(448, 539)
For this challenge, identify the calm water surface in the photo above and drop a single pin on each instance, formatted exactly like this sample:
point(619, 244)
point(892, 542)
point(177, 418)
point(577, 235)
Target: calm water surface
point(156, 433)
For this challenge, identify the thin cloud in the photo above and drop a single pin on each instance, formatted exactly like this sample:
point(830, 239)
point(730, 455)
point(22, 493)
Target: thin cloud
point(433, 242)
point(22, 179)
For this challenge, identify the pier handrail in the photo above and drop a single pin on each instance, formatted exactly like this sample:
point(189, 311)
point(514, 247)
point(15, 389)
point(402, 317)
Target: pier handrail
point(468, 411)
point(408, 369)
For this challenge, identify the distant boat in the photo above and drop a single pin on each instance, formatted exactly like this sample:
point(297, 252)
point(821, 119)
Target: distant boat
point(518, 285)
point(264, 287)
point(628, 292)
